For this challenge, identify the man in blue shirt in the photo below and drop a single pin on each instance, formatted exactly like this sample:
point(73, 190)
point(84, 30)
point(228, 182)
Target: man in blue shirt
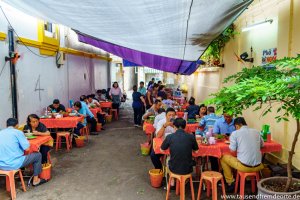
point(209, 119)
point(142, 89)
point(89, 115)
point(224, 125)
point(13, 143)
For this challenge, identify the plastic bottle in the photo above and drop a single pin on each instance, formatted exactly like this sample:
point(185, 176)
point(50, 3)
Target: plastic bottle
point(46, 111)
point(269, 136)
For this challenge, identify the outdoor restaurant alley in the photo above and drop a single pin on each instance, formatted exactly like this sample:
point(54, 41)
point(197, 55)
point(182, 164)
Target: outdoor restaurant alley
point(110, 167)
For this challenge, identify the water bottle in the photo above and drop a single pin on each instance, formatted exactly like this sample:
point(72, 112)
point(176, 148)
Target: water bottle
point(46, 111)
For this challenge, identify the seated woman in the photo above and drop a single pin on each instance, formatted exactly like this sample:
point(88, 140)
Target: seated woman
point(80, 112)
point(202, 112)
point(192, 109)
point(39, 129)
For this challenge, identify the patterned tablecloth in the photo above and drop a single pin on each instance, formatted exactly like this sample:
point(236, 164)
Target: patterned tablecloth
point(216, 150)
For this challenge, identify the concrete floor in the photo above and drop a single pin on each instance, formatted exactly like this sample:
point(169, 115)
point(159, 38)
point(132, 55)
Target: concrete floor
point(110, 167)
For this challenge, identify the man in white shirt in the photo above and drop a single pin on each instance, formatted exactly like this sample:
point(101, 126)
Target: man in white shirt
point(92, 102)
point(161, 115)
point(163, 128)
point(247, 143)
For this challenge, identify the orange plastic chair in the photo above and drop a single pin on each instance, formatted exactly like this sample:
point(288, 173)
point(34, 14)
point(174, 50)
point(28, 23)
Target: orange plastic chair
point(241, 176)
point(85, 132)
point(180, 185)
point(114, 112)
point(211, 179)
point(59, 135)
point(10, 182)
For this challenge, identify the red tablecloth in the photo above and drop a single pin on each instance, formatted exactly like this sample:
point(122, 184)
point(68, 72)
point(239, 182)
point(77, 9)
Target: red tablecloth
point(37, 142)
point(218, 149)
point(180, 114)
point(148, 128)
point(191, 128)
point(106, 104)
point(66, 122)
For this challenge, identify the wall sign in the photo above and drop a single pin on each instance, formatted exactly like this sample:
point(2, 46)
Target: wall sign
point(269, 55)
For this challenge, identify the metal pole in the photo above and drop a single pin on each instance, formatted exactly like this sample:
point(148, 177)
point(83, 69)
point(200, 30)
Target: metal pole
point(13, 81)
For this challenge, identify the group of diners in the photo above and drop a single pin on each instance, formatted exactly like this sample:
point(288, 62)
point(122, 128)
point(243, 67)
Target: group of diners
point(13, 142)
point(244, 141)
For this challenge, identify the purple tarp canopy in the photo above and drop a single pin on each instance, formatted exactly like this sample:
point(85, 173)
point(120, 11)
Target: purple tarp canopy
point(143, 59)
point(168, 35)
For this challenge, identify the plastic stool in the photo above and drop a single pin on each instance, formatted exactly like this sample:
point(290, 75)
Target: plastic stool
point(85, 132)
point(180, 185)
point(59, 135)
point(211, 178)
point(10, 182)
point(243, 176)
point(114, 112)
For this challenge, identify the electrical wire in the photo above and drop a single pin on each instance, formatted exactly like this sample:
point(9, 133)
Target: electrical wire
point(187, 28)
point(19, 39)
point(2, 68)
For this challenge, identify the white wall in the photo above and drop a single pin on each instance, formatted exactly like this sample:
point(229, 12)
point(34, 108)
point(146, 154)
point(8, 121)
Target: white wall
point(79, 75)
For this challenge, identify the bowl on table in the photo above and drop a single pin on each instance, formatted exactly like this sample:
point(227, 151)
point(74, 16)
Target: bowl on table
point(191, 121)
point(28, 134)
point(72, 114)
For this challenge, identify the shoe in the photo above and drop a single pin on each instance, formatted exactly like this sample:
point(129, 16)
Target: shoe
point(230, 188)
point(136, 125)
point(102, 129)
point(139, 126)
point(42, 181)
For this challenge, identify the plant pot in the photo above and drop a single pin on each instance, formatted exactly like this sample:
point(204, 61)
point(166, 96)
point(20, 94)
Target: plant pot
point(46, 172)
point(156, 176)
point(145, 149)
point(266, 194)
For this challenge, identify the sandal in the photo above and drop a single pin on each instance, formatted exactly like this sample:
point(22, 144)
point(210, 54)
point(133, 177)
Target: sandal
point(42, 181)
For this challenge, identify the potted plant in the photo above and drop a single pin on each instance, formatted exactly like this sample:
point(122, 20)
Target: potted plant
point(263, 88)
point(212, 54)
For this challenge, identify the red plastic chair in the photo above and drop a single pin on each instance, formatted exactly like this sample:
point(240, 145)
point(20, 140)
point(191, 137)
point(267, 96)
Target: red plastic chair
point(59, 135)
point(180, 185)
point(211, 179)
point(85, 132)
point(241, 176)
point(10, 182)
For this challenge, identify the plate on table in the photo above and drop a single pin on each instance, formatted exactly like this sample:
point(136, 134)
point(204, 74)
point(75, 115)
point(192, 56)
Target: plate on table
point(227, 142)
point(30, 137)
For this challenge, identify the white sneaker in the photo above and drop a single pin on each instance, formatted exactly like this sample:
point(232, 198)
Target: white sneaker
point(136, 125)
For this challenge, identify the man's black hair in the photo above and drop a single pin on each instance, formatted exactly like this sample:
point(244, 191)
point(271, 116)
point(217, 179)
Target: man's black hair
point(11, 122)
point(211, 109)
point(56, 101)
point(170, 110)
point(161, 110)
point(82, 98)
point(179, 123)
point(157, 101)
point(77, 104)
point(240, 121)
point(142, 82)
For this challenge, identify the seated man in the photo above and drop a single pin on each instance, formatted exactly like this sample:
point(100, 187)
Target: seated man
point(161, 115)
point(247, 143)
point(209, 119)
point(153, 110)
point(89, 115)
point(181, 147)
point(92, 102)
point(56, 106)
point(13, 143)
point(223, 125)
point(163, 128)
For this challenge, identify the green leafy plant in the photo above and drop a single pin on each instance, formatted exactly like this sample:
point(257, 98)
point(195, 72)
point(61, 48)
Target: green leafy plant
point(265, 87)
point(213, 52)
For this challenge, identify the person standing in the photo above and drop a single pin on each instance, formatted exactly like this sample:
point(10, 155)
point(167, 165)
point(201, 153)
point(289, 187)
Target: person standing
point(137, 105)
point(115, 94)
point(192, 109)
point(142, 89)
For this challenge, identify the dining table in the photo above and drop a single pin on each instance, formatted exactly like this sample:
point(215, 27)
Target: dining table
point(216, 150)
point(65, 122)
point(37, 142)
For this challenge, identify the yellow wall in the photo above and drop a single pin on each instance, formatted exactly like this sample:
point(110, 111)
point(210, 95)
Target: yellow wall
point(283, 34)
